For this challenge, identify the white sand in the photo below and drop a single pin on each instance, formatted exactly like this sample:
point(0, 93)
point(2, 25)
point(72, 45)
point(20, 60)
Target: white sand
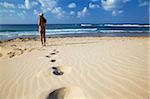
point(99, 68)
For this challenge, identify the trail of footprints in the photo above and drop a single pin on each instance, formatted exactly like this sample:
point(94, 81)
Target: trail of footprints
point(55, 69)
point(58, 71)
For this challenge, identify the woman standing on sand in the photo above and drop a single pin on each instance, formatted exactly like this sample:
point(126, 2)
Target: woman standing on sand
point(42, 25)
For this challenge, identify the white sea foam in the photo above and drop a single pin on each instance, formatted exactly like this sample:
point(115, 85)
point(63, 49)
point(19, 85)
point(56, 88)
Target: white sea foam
point(66, 30)
point(70, 31)
point(127, 25)
point(86, 25)
point(120, 31)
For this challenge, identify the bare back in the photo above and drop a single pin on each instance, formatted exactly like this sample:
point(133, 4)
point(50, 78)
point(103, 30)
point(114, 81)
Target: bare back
point(42, 22)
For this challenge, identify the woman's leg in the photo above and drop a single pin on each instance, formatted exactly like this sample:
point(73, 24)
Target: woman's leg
point(41, 35)
point(44, 37)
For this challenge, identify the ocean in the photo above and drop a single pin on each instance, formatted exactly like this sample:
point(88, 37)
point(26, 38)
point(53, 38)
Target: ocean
point(58, 30)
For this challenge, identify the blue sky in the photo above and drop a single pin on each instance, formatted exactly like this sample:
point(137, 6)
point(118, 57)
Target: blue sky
point(74, 11)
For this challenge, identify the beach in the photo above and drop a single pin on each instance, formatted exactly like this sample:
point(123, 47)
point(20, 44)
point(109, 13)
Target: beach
point(92, 68)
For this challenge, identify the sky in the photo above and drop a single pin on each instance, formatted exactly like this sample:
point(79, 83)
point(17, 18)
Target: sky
point(74, 11)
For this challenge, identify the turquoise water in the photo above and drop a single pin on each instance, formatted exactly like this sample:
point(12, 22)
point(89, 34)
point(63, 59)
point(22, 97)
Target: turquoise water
point(30, 30)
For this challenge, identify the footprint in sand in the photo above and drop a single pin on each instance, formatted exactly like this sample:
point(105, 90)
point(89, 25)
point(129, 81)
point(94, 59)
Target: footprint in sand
point(19, 51)
point(53, 60)
point(60, 70)
point(54, 52)
point(57, 71)
point(47, 56)
point(15, 52)
point(11, 54)
point(72, 92)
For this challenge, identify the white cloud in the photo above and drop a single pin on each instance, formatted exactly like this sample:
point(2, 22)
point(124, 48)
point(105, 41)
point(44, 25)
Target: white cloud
point(83, 12)
point(7, 11)
point(34, 3)
point(72, 13)
point(115, 13)
point(51, 6)
point(21, 6)
point(113, 5)
point(92, 6)
point(27, 5)
point(143, 3)
point(48, 5)
point(20, 14)
point(7, 5)
point(35, 12)
point(72, 5)
point(58, 12)
point(108, 4)
point(120, 11)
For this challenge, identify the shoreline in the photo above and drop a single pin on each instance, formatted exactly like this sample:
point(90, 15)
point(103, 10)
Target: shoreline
point(75, 36)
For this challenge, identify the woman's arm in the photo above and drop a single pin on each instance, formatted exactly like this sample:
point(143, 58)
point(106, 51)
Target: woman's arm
point(39, 22)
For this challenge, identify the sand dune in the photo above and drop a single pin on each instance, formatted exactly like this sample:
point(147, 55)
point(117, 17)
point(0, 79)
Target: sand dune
point(93, 68)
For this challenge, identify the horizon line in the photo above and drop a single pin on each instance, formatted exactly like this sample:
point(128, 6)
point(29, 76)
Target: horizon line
point(75, 23)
